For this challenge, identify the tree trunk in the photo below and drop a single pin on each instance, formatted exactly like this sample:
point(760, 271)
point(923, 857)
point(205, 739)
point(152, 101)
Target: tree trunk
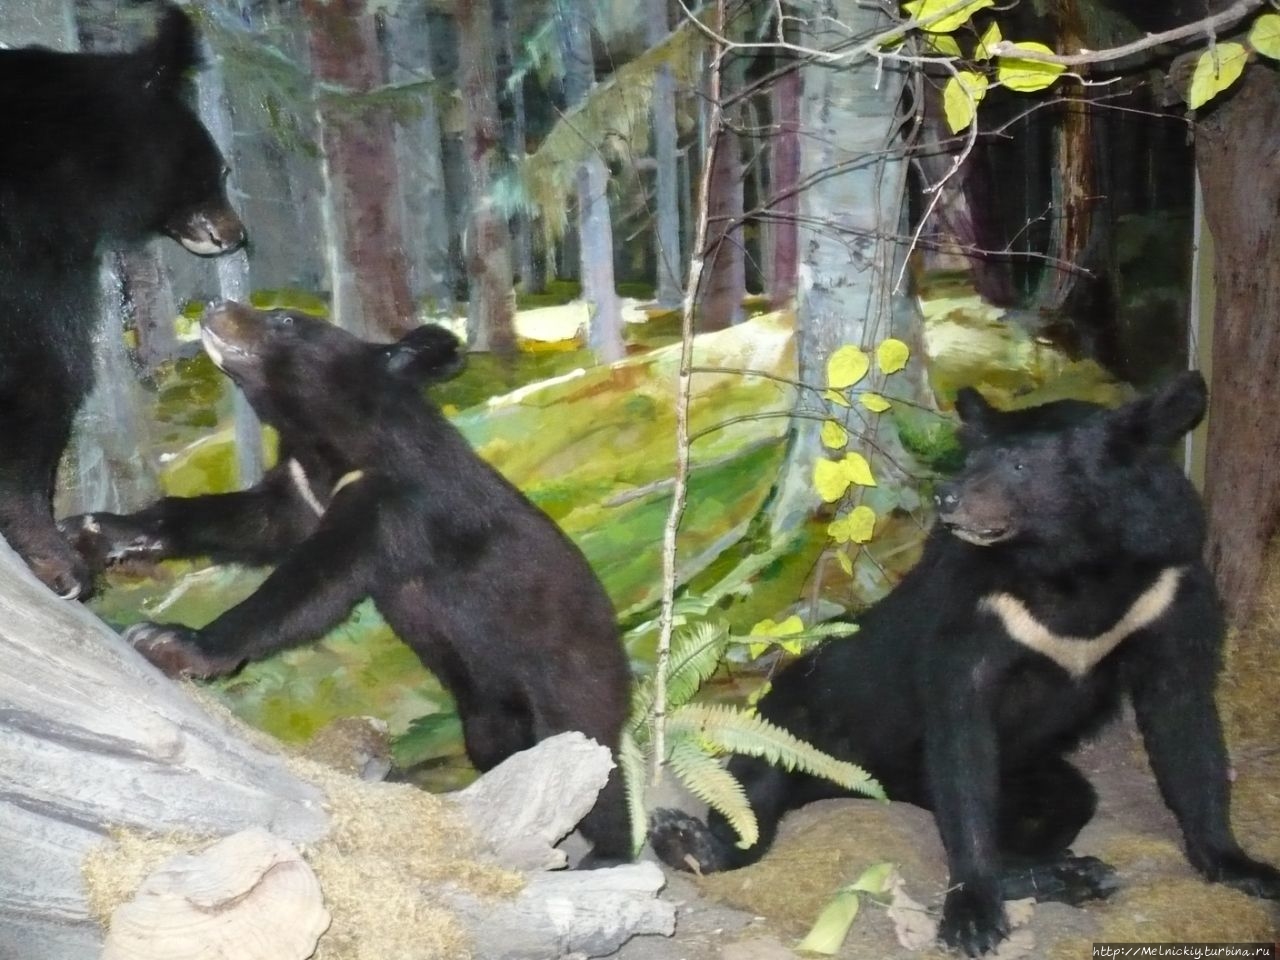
point(93, 738)
point(724, 281)
point(781, 258)
point(513, 140)
point(1235, 148)
point(369, 272)
point(595, 227)
point(666, 203)
point(491, 307)
point(853, 169)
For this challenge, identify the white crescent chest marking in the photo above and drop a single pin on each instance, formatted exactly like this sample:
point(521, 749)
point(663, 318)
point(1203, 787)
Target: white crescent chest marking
point(303, 485)
point(1079, 655)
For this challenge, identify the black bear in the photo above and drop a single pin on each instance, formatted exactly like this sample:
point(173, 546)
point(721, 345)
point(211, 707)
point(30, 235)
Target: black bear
point(377, 495)
point(1064, 571)
point(99, 151)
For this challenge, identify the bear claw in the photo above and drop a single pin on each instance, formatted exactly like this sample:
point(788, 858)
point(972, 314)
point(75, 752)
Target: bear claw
point(175, 650)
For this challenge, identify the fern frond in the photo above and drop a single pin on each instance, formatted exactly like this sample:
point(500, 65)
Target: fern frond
point(728, 728)
point(695, 654)
point(710, 782)
point(632, 762)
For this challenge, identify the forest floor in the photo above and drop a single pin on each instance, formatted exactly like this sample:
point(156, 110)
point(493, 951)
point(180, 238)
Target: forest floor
point(761, 912)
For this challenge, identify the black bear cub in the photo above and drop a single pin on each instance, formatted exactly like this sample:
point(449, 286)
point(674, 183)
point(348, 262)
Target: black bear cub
point(99, 151)
point(1064, 571)
point(377, 495)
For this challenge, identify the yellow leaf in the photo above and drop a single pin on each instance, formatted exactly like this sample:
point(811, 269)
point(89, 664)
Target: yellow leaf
point(892, 354)
point(990, 37)
point(834, 396)
point(754, 697)
point(857, 470)
point(1028, 76)
point(874, 879)
point(846, 367)
point(1265, 35)
point(945, 45)
point(838, 529)
point(755, 649)
point(767, 628)
point(1216, 70)
point(792, 646)
point(828, 931)
point(861, 523)
point(933, 19)
point(960, 99)
point(874, 402)
point(834, 435)
point(842, 558)
point(830, 479)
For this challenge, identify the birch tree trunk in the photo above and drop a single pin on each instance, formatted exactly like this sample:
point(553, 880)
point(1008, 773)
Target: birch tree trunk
point(491, 302)
point(95, 738)
point(853, 174)
point(595, 228)
point(666, 203)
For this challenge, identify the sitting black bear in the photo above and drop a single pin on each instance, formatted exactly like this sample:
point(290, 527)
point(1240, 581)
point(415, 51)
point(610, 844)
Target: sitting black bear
point(99, 151)
point(377, 495)
point(1064, 570)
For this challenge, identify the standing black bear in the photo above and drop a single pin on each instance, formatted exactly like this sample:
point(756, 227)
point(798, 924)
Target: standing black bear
point(99, 150)
point(376, 494)
point(1065, 570)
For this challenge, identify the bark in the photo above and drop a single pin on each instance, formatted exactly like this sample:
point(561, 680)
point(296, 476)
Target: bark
point(369, 272)
point(781, 258)
point(854, 170)
point(513, 140)
point(150, 306)
point(595, 228)
point(491, 308)
point(1235, 150)
point(724, 283)
point(93, 738)
point(666, 204)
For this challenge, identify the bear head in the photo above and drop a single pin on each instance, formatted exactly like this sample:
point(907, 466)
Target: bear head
point(1072, 480)
point(307, 377)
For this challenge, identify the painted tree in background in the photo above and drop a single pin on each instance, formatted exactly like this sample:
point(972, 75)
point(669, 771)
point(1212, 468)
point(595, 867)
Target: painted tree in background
point(368, 271)
point(666, 174)
point(491, 306)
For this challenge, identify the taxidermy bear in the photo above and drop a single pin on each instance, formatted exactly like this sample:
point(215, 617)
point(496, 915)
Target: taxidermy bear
point(1064, 571)
point(100, 151)
point(377, 495)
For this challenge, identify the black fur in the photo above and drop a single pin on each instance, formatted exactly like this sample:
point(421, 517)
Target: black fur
point(99, 151)
point(496, 601)
point(1075, 511)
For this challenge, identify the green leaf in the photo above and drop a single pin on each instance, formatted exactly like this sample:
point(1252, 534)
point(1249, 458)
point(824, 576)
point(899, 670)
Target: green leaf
point(874, 880)
point(945, 45)
point(1028, 76)
point(846, 367)
point(711, 783)
point(1217, 69)
point(834, 435)
point(935, 18)
point(830, 479)
point(1264, 36)
point(833, 923)
point(632, 761)
point(874, 402)
point(990, 37)
point(857, 469)
point(960, 98)
point(892, 355)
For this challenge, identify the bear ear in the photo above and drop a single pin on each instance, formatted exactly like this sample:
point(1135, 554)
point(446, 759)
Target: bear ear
point(972, 406)
point(1161, 418)
point(426, 354)
point(174, 52)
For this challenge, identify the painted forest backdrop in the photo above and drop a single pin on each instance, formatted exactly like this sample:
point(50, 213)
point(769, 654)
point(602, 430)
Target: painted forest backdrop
point(530, 172)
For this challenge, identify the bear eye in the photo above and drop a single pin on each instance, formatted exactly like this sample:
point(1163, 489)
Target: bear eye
point(1019, 465)
point(281, 318)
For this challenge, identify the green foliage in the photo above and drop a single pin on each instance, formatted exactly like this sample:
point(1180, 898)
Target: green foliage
point(698, 734)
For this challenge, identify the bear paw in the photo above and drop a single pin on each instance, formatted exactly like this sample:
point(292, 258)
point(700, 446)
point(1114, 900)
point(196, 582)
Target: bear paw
point(1246, 875)
point(973, 919)
point(175, 649)
point(684, 842)
point(64, 573)
point(103, 539)
point(1068, 879)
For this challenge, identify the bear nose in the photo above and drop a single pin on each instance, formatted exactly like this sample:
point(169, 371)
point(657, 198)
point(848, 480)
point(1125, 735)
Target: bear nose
point(945, 498)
